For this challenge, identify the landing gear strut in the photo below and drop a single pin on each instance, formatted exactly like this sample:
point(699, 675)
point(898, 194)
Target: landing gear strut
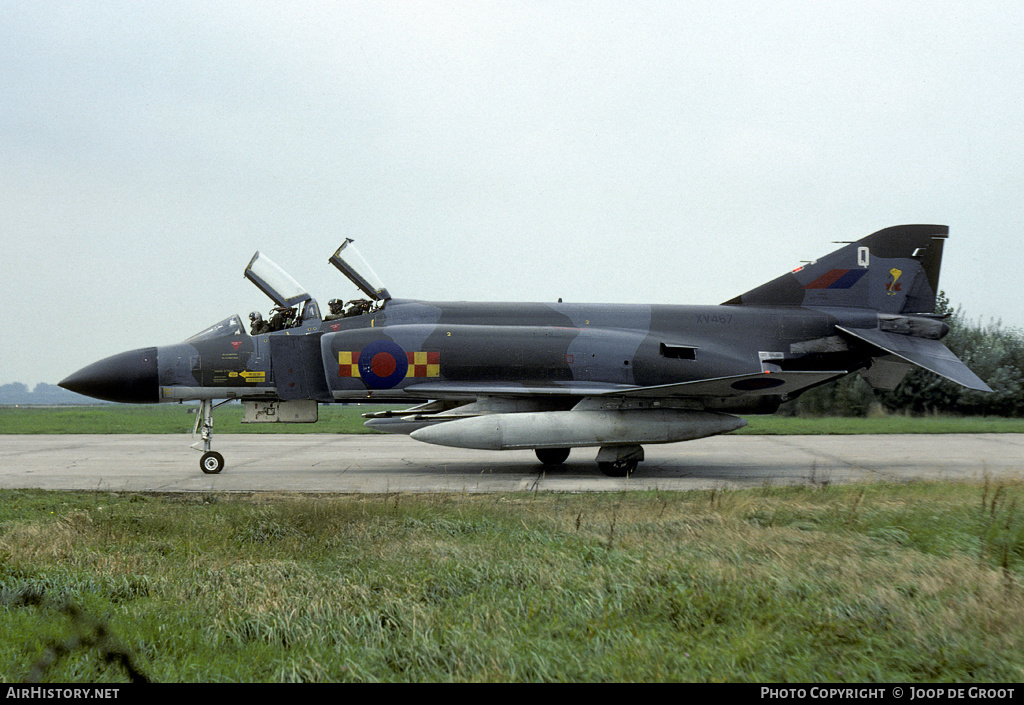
point(212, 462)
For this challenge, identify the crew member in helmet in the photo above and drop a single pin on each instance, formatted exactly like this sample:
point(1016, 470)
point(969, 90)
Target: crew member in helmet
point(358, 307)
point(337, 308)
point(257, 324)
point(282, 317)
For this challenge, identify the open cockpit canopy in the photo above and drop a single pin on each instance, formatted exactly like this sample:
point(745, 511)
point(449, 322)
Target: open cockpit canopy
point(351, 263)
point(275, 282)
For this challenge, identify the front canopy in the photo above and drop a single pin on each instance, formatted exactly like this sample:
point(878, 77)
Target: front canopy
point(275, 282)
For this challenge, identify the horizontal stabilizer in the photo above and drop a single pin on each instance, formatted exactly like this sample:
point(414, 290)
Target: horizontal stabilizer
point(929, 354)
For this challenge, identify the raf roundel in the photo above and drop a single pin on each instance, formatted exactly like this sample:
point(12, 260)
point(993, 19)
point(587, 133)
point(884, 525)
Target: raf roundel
point(383, 364)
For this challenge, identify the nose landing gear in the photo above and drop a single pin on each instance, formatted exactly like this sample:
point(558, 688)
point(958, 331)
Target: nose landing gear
point(212, 462)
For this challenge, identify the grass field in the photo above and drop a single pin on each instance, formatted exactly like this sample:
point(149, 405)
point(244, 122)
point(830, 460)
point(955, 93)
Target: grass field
point(174, 418)
point(904, 583)
point(873, 583)
point(167, 418)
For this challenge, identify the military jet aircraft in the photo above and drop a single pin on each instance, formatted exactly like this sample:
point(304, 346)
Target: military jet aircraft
point(555, 376)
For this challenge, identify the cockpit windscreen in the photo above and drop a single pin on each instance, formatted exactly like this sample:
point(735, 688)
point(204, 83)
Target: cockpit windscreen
point(228, 328)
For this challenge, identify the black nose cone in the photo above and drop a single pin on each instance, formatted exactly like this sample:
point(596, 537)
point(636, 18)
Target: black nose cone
point(130, 377)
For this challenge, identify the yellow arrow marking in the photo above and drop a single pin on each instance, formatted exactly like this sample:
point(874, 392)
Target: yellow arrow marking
point(250, 376)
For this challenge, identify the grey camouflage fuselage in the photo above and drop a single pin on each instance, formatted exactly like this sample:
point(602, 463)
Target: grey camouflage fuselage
point(553, 376)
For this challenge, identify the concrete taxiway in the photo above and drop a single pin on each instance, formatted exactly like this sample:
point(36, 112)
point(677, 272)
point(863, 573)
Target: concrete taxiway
point(378, 463)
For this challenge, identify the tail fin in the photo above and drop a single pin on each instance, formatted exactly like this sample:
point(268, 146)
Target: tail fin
point(895, 270)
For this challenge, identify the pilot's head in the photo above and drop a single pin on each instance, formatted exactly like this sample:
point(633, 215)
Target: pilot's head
point(336, 305)
point(255, 317)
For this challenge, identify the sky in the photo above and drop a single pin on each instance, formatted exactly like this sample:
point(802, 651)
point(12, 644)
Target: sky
point(636, 152)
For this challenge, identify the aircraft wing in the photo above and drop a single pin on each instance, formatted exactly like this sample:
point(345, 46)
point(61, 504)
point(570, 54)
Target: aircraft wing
point(749, 385)
point(757, 384)
point(929, 354)
point(441, 390)
point(504, 423)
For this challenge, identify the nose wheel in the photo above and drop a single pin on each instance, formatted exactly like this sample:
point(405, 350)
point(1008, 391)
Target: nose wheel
point(212, 462)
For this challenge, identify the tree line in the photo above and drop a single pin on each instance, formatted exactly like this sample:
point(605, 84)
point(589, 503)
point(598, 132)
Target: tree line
point(45, 394)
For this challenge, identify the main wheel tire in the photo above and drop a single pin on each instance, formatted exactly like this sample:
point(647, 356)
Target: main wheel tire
point(619, 468)
point(212, 462)
point(552, 456)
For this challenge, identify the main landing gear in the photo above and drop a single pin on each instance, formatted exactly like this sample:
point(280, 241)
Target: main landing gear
point(552, 456)
point(212, 462)
point(613, 461)
point(619, 461)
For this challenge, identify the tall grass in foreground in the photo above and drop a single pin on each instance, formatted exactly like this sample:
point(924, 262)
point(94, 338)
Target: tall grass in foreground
point(918, 582)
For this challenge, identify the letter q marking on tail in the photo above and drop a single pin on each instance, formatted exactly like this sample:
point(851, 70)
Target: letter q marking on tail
point(863, 256)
